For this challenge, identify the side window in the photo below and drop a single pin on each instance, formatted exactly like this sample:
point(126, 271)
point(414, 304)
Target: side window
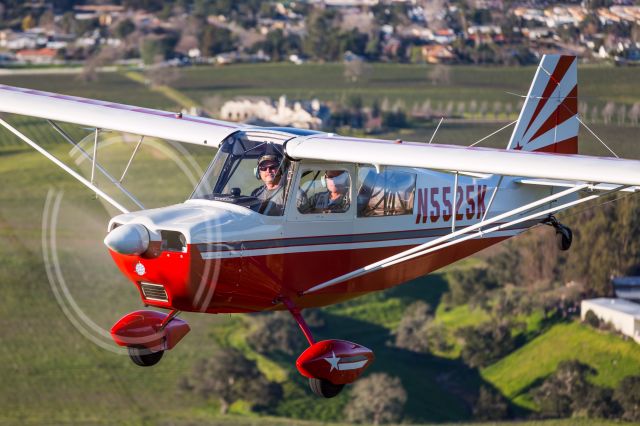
point(388, 193)
point(324, 191)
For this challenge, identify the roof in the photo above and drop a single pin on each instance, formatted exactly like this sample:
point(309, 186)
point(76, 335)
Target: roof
point(619, 305)
point(626, 282)
point(44, 52)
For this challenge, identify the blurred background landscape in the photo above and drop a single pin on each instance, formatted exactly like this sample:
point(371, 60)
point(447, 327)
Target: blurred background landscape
point(496, 337)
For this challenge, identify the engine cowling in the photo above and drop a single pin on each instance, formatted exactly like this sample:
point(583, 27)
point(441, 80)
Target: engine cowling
point(338, 361)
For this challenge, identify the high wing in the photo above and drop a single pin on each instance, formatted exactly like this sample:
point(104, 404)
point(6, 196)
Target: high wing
point(113, 116)
point(539, 165)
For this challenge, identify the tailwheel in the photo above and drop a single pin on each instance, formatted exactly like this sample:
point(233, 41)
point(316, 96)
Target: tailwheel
point(324, 388)
point(144, 357)
point(564, 237)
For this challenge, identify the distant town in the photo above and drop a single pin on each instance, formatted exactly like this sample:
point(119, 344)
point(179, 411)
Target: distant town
point(184, 32)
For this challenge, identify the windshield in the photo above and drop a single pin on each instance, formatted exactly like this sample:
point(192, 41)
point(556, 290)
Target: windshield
point(249, 173)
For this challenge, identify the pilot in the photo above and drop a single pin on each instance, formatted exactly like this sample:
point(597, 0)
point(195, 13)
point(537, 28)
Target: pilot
point(271, 193)
point(336, 198)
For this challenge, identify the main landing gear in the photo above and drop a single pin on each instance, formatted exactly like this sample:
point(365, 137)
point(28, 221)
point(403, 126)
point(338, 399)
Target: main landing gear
point(330, 364)
point(564, 236)
point(144, 357)
point(148, 334)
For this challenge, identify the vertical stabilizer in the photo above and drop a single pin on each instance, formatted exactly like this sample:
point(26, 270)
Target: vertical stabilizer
point(548, 121)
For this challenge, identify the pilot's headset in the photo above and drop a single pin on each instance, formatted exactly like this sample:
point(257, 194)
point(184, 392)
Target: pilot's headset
point(340, 178)
point(267, 157)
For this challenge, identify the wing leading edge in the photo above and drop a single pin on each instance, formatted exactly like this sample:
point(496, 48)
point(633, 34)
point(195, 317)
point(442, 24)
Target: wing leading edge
point(113, 116)
point(537, 165)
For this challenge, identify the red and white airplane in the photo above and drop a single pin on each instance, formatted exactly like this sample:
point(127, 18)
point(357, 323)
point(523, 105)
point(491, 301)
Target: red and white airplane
point(286, 219)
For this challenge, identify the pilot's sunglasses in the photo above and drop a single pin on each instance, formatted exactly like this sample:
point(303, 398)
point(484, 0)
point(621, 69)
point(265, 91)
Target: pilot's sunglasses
point(265, 168)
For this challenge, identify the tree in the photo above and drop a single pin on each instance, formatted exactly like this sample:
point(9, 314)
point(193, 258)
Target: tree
point(228, 376)
point(158, 47)
point(490, 405)
point(216, 40)
point(318, 23)
point(355, 69)
point(608, 111)
point(565, 391)
point(105, 56)
point(279, 45)
point(592, 319)
point(627, 395)
point(410, 333)
point(124, 28)
point(28, 22)
point(277, 332)
point(376, 399)
point(600, 404)
point(439, 75)
point(606, 246)
point(486, 343)
point(468, 285)
point(634, 113)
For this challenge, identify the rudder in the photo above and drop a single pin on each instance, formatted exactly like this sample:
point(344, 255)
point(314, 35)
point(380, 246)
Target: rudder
point(548, 121)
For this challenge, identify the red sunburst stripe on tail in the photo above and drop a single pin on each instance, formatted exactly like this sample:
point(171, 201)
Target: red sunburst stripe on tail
point(567, 146)
point(554, 80)
point(567, 109)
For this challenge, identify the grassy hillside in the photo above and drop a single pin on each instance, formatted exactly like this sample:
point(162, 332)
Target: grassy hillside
point(612, 357)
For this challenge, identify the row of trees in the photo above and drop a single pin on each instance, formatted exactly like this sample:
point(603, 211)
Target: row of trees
point(568, 392)
point(609, 113)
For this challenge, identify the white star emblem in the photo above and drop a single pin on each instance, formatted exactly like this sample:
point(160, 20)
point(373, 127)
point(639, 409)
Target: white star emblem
point(333, 361)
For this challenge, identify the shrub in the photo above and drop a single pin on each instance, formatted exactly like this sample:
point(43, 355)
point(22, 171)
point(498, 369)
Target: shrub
point(592, 319)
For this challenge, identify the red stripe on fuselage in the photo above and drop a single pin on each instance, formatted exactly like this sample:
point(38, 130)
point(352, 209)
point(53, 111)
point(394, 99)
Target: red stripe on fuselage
point(254, 283)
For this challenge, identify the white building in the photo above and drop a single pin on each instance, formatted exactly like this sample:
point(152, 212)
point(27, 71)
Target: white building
point(281, 113)
point(623, 315)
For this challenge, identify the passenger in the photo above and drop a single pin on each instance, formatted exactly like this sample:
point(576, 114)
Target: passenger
point(336, 198)
point(271, 193)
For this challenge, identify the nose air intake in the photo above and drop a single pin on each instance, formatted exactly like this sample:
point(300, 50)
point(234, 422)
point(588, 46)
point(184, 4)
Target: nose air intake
point(129, 239)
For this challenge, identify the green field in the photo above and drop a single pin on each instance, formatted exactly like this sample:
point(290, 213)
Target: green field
point(55, 372)
point(409, 83)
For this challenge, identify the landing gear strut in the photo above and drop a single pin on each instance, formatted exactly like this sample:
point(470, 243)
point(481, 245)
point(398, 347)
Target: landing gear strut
point(148, 334)
point(330, 364)
point(564, 236)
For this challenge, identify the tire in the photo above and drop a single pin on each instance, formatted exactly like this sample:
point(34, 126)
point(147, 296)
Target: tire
point(324, 388)
point(144, 357)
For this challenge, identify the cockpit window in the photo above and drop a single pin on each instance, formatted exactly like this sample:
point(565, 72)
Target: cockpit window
point(249, 173)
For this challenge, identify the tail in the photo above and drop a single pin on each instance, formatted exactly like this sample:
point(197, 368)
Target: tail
point(548, 121)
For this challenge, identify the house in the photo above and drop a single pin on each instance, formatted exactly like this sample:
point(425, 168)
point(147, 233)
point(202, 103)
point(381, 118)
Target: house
point(627, 287)
point(37, 56)
point(437, 54)
point(623, 315)
point(304, 115)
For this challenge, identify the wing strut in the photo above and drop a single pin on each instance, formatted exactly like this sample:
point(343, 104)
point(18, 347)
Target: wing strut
point(451, 239)
point(135, 151)
point(85, 154)
point(64, 167)
point(95, 154)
